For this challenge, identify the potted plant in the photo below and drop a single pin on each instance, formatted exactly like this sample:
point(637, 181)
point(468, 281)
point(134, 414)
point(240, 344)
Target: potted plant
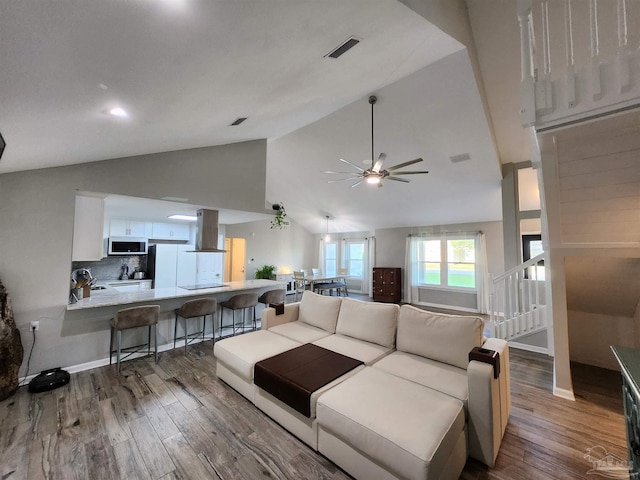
point(266, 272)
point(280, 219)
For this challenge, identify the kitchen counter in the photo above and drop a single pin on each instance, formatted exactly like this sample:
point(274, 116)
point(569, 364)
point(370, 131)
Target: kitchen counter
point(111, 297)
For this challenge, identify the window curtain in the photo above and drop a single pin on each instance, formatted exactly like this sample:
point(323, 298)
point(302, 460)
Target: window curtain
point(321, 264)
point(482, 274)
point(368, 264)
point(411, 266)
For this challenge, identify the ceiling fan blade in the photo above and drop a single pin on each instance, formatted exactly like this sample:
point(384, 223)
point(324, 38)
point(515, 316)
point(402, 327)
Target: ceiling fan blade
point(405, 164)
point(343, 179)
point(410, 172)
point(343, 173)
point(352, 164)
point(357, 183)
point(378, 165)
point(398, 179)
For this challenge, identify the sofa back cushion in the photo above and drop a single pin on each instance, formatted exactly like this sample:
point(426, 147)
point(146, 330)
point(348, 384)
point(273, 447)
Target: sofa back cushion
point(319, 310)
point(445, 338)
point(368, 321)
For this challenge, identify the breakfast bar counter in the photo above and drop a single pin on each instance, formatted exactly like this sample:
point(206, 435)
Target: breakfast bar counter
point(111, 297)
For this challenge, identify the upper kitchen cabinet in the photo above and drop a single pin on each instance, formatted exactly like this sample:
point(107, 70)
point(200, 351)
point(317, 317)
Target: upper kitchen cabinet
point(88, 224)
point(129, 228)
point(170, 231)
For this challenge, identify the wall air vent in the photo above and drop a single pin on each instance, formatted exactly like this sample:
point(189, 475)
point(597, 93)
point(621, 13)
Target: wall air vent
point(238, 121)
point(463, 157)
point(343, 48)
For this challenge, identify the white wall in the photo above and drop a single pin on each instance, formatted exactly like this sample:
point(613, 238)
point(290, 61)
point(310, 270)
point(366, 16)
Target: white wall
point(36, 230)
point(591, 336)
point(291, 248)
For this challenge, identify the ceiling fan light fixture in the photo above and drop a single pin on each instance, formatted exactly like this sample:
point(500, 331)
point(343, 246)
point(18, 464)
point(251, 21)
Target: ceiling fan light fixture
point(373, 179)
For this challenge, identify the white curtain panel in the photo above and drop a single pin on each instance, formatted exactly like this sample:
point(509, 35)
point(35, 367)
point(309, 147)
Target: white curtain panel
point(321, 264)
point(369, 262)
point(411, 274)
point(482, 274)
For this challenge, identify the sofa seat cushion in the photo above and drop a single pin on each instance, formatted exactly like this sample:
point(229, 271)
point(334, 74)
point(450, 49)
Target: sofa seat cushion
point(300, 332)
point(440, 337)
point(240, 354)
point(410, 430)
point(352, 347)
point(369, 321)
point(439, 376)
point(319, 310)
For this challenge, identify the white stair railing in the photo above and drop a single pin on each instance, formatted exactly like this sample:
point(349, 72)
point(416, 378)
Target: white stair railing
point(517, 305)
point(579, 59)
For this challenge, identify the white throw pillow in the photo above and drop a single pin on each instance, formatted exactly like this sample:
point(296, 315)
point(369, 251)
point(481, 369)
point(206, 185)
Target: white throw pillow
point(445, 338)
point(369, 321)
point(319, 310)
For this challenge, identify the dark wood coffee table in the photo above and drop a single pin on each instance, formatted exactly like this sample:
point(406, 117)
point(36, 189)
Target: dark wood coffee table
point(294, 375)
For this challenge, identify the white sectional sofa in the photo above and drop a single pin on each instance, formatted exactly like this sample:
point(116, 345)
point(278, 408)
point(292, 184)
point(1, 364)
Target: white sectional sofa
point(416, 407)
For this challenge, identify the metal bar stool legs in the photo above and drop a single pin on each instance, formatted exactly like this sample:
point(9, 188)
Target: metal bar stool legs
point(134, 317)
point(195, 309)
point(242, 302)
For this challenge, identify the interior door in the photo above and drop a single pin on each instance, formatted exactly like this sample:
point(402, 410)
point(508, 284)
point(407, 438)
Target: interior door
point(235, 259)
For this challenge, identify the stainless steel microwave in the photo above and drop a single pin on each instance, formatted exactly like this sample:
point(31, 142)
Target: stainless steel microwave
point(127, 246)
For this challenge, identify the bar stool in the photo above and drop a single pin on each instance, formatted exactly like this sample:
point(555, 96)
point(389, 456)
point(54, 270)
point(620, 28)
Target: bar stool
point(144, 316)
point(242, 301)
point(272, 296)
point(195, 309)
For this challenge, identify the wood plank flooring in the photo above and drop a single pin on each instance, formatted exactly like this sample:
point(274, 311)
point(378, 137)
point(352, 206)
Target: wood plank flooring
point(176, 420)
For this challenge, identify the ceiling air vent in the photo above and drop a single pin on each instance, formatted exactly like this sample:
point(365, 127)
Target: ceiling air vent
point(238, 121)
point(343, 48)
point(463, 157)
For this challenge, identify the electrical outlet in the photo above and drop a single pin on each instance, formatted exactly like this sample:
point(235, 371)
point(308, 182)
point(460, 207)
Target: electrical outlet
point(35, 325)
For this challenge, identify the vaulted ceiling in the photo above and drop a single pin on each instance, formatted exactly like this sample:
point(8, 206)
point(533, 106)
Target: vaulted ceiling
point(184, 70)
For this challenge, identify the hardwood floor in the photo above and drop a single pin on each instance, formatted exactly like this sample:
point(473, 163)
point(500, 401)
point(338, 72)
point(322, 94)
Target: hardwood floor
point(176, 420)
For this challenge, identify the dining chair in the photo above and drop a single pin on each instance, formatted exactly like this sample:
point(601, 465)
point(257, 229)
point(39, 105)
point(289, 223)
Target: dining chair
point(299, 282)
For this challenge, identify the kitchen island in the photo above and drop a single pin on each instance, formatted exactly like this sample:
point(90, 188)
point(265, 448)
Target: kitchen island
point(93, 314)
point(110, 297)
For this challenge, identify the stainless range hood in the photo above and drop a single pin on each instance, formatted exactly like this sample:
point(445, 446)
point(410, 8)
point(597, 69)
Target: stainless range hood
point(207, 232)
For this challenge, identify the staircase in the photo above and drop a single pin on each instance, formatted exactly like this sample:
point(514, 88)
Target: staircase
point(517, 305)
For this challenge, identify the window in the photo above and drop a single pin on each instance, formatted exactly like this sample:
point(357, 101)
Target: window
point(355, 258)
point(331, 258)
point(532, 247)
point(446, 262)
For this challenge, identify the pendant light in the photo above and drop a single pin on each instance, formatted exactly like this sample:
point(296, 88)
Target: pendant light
point(327, 237)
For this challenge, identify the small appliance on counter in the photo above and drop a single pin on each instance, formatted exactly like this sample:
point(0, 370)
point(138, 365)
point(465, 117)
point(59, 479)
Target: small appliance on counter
point(139, 275)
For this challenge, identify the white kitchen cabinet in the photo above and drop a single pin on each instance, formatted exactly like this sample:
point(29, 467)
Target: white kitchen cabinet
point(129, 228)
point(209, 268)
point(170, 231)
point(88, 224)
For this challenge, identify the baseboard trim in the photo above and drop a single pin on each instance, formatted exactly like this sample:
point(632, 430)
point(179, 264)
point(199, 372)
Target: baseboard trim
point(529, 348)
point(105, 361)
point(564, 393)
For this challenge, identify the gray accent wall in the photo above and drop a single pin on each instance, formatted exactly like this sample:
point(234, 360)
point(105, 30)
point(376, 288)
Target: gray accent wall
point(290, 248)
point(36, 231)
point(391, 246)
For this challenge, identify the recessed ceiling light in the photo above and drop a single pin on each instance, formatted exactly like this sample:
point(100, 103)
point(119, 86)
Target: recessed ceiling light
point(191, 218)
point(118, 112)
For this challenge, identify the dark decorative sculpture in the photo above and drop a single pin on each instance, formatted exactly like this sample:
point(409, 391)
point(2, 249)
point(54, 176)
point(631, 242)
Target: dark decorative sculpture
point(11, 351)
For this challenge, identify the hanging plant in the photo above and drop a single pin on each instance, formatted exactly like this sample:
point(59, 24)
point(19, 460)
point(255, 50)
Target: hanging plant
point(280, 219)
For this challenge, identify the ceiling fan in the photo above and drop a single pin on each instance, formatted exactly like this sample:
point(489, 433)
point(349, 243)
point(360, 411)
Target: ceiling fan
point(375, 174)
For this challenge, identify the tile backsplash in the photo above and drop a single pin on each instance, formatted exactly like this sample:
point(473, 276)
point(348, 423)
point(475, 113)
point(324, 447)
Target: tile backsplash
point(111, 268)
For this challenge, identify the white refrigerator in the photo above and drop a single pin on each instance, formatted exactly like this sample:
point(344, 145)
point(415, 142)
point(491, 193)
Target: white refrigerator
point(172, 265)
